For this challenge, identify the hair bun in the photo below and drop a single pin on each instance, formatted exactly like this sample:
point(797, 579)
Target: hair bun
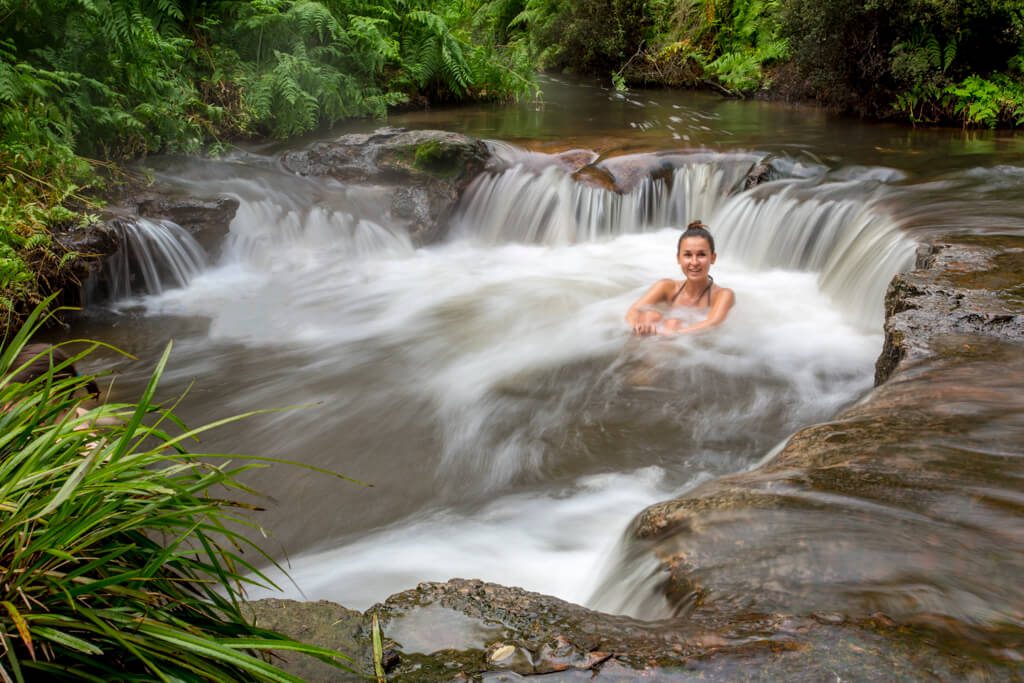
point(696, 224)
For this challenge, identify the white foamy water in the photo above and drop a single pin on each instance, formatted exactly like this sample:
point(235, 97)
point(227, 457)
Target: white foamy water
point(550, 543)
point(522, 356)
point(489, 388)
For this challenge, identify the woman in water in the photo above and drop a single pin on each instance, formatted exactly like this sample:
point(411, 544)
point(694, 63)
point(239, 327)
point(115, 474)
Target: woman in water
point(695, 253)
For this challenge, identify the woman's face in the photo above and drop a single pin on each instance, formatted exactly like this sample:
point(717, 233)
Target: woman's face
point(695, 257)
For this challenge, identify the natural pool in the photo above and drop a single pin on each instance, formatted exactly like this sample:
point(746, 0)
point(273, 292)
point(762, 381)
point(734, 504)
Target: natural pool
point(488, 389)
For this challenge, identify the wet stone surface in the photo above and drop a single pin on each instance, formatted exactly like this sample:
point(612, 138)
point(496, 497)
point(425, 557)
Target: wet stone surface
point(966, 285)
point(427, 171)
point(520, 635)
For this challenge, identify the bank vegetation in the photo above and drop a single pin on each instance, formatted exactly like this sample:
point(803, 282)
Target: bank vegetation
point(85, 84)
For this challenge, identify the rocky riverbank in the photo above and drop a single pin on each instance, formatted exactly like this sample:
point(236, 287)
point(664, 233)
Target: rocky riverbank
point(935, 440)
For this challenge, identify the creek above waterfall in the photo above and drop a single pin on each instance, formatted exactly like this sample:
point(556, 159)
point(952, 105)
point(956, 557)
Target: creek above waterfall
point(486, 386)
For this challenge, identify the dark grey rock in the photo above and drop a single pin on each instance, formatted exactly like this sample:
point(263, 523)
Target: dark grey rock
point(427, 169)
point(967, 286)
point(470, 630)
point(208, 220)
point(91, 244)
point(761, 172)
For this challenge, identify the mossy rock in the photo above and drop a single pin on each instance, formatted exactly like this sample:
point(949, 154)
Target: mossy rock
point(432, 154)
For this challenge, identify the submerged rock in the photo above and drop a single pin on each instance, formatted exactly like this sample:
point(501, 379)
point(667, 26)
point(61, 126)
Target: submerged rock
point(427, 170)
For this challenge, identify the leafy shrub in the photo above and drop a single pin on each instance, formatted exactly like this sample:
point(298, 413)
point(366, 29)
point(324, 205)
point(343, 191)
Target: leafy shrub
point(588, 36)
point(120, 552)
point(728, 41)
point(864, 55)
point(988, 103)
point(739, 71)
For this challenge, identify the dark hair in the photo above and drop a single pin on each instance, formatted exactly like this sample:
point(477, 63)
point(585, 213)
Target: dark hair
point(696, 229)
point(37, 360)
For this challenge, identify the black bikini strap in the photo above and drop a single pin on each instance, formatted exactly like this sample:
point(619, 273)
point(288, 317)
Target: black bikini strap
point(707, 290)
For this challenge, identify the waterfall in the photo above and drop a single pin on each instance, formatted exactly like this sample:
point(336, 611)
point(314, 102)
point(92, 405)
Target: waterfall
point(155, 255)
point(839, 230)
point(266, 227)
point(548, 205)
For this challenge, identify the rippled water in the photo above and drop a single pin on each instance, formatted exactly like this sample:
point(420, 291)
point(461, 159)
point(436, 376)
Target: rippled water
point(487, 387)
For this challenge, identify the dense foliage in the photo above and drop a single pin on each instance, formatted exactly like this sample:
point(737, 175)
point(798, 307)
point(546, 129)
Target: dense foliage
point(120, 555)
point(922, 60)
point(114, 79)
point(927, 60)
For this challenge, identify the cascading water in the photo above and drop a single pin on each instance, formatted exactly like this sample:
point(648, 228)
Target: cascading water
point(488, 387)
point(155, 255)
point(840, 230)
point(547, 205)
point(513, 429)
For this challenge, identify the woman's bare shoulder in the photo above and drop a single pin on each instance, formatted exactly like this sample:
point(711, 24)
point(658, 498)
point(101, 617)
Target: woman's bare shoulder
point(668, 285)
point(720, 291)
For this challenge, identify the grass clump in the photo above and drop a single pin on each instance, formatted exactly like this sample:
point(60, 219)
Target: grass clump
point(117, 560)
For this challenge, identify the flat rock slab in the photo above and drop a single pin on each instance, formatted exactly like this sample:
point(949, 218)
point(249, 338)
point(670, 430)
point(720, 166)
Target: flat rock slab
point(469, 630)
point(970, 284)
point(322, 623)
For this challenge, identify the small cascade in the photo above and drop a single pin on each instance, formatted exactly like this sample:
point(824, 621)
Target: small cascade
point(839, 230)
point(537, 204)
point(264, 228)
point(155, 255)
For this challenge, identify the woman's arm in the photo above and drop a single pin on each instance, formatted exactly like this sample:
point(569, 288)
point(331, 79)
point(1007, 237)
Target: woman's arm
point(645, 321)
point(720, 306)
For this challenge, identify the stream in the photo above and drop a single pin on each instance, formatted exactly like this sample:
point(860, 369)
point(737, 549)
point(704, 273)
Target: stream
point(487, 388)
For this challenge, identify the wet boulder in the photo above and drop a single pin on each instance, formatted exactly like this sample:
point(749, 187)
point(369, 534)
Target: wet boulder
point(91, 244)
point(427, 171)
point(573, 160)
point(206, 219)
point(970, 285)
point(629, 170)
point(759, 173)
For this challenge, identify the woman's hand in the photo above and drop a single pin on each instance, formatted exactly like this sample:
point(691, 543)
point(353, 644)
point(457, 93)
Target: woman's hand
point(645, 329)
point(646, 323)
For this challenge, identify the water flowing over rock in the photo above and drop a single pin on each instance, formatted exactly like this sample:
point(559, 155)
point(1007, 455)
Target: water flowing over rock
point(752, 568)
point(106, 247)
point(426, 169)
point(929, 444)
point(206, 219)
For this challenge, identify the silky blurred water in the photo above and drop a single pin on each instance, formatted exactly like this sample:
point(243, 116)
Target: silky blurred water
point(486, 387)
